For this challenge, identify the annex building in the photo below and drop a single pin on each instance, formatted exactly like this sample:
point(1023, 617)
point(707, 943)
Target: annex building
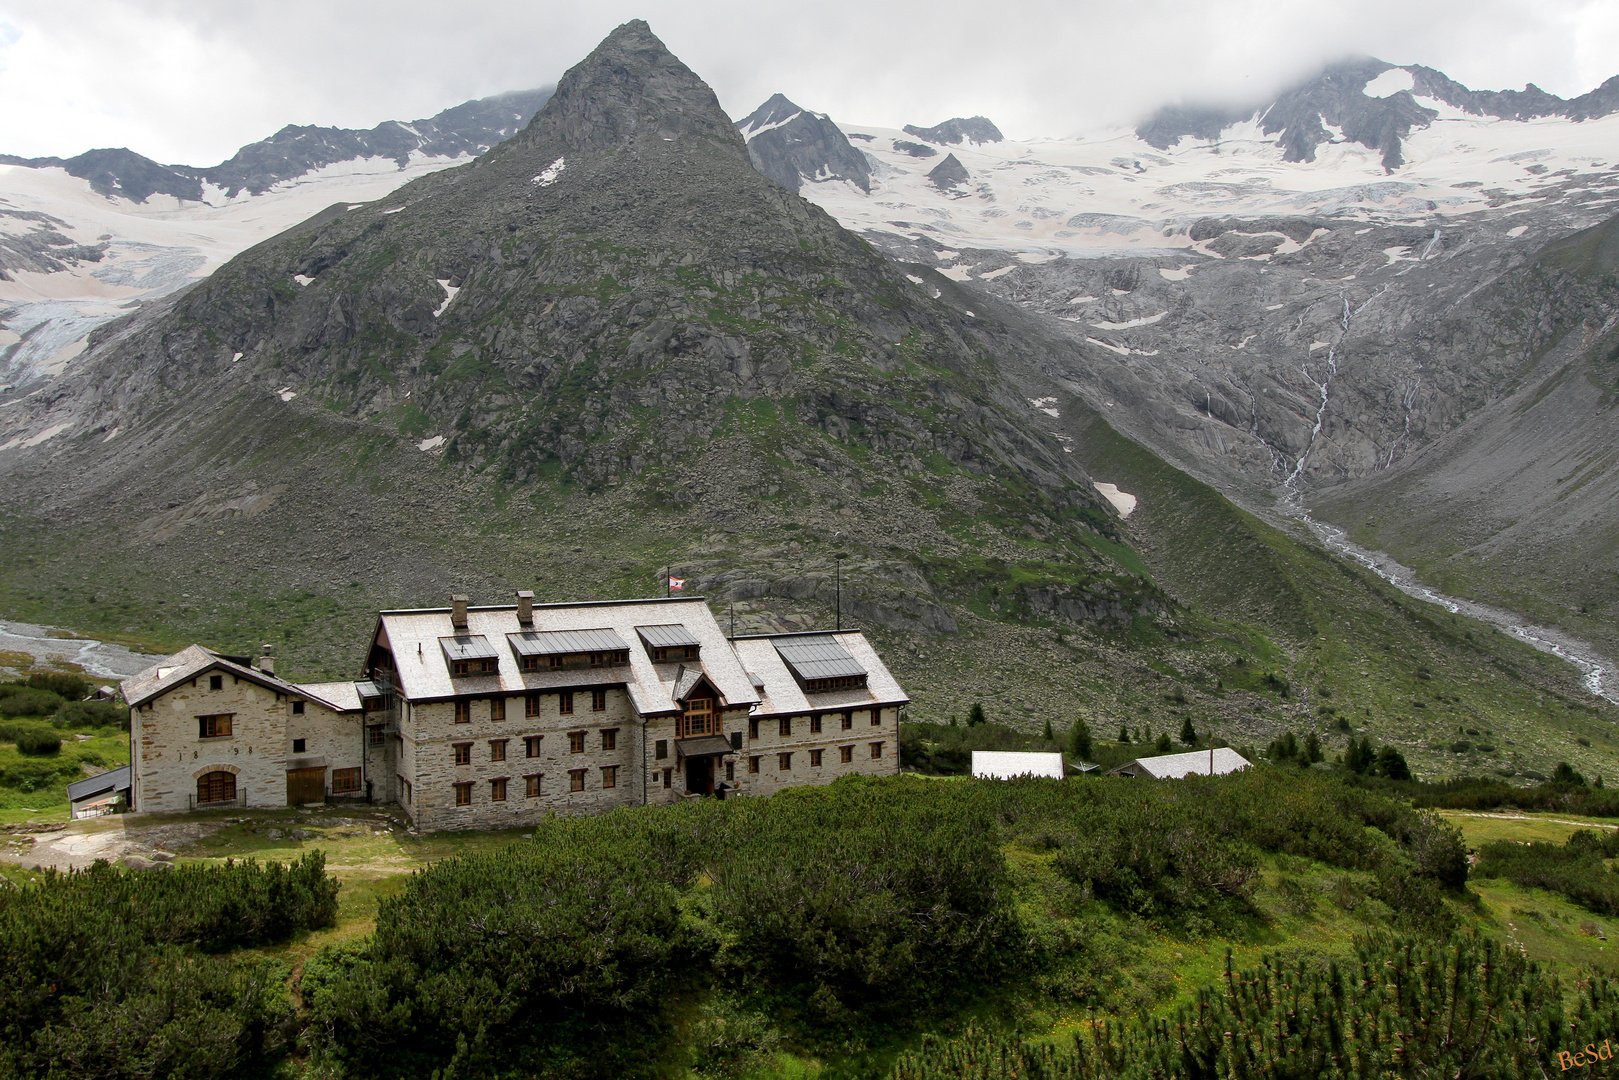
point(495, 716)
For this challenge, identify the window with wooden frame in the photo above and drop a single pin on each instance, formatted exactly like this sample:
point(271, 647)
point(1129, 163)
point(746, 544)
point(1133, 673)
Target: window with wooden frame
point(668, 778)
point(376, 735)
point(217, 726)
point(565, 702)
point(576, 742)
point(697, 718)
point(876, 717)
point(876, 750)
point(531, 705)
point(463, 793)
point(753, 729)
point(609, 776)
point(610, 738)
point(660, 749)
point(576, 779)
point(532, 780)
point(463, 712)
point(345, 781)
point(730, 770)
point(784, 761)
point(670, 653)
point(497, 708)
point(835, 682)
point(847, 720)
point(598, 701)
point(460, 667)
point(784, 726)
point(497, 749)
point(753, 764)
point(463, 753)
point(846, 754)
point(497, 789)
point(815, 723)
point(216, 682)
point(815, 758)
point(531, 745)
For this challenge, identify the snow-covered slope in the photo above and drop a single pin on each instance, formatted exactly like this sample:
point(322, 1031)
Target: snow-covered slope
point(87, 239)
point(1113, 194)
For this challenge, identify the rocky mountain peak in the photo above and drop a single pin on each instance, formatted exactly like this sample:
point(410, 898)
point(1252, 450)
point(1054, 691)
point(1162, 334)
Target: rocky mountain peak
point(973, 129)
point(777, 110)
point(793, 145)
point(631, 88)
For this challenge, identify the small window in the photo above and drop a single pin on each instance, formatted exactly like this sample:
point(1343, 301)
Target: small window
point(463, 753)
point(299, 745)
point(565, 702)
point(533, 782)
point(815, 758)
point(497, 789)
point(598, 701)
point(668, 778)
point(497, 749)
point(531, 705)
point(576, 742)
point(753, 729)
point(784, 761)
point(815, 724)
point(753, 764)
point(848, 720)
point(214, 727)
point(375, 735)
point(489, 667)
point(463, 793)
point(846, 754)
point(610, 738)
point(459, 667)
point(345, 781)
point(558, 661)
point(730, 770)
point(609, 776)
point(736, 740)
point(497, 708)
point(576, 779)
point(876, 750)
point(216, 682)
point(531, 746)
point(660, 749)
point(297, 708)
point(876, 717)
point(463, 712)
point(784, 726)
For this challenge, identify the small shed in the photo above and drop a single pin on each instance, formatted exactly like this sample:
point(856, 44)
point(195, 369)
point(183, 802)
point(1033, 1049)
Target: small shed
point(1007, 765)
point(99, 794)
point(1217, 762)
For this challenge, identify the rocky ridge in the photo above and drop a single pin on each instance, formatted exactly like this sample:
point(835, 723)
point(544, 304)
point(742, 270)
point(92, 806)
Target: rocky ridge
point(793, 146)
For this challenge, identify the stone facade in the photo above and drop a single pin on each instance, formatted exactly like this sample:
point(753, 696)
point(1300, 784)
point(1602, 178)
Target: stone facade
point(497, 717)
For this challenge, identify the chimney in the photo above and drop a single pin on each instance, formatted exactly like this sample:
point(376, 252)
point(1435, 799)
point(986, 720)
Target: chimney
point(267, 662)
point(458, 611)
point(525, 607)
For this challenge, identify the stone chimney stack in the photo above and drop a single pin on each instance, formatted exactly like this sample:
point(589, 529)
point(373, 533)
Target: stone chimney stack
point(267, 662)
point(458, 611)
point(525, 607)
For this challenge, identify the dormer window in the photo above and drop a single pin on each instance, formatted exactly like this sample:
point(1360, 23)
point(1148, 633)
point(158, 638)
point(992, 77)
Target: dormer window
point(550, 650)
point(470, 654)
point(820, 664)
point(670, 643)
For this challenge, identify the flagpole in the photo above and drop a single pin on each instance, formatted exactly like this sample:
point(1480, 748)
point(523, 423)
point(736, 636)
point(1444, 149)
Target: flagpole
point(668, 585)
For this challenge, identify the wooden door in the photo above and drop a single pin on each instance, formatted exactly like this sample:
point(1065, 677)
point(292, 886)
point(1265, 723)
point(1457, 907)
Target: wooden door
point(306, 786)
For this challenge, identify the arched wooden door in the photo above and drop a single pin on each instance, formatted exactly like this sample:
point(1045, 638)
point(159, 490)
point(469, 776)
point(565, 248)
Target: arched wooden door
point(216, 787)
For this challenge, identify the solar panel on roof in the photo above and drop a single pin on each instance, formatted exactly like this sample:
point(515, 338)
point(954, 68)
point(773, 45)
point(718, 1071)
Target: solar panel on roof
point(667, 635)
point(817, 656)
point(559, 642)
point(468, 647)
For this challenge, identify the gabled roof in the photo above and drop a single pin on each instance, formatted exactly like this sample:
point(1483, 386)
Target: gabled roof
point(782, 694)
point(342, 696)
point(99, 784)
point(194, 661)
point(1194, 763)
point(423, 674)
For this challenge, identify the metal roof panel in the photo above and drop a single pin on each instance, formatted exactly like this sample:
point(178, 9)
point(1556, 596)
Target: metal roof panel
point(562, 642)
point(667, 635)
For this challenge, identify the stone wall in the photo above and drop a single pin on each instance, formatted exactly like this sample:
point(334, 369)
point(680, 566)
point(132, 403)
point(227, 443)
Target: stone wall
point(331, 739)
point(769, 744)
point(169, 754)
point(427, 760)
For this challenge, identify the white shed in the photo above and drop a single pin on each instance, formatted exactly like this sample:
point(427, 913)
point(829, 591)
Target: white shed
point(1006, 765)
point(1217, 762)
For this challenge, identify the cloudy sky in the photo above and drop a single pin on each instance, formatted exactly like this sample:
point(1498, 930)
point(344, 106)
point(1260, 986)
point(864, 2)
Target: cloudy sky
point(188, 81)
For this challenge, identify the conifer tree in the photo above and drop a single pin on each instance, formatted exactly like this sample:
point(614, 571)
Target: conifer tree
point(1312, 748)
point(975, 715)
point(1163, 745)
point(1079, 740)
point(1047, 735)
point(1124, 734)
point(1188, 732)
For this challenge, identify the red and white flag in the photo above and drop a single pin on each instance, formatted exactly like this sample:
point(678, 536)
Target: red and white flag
point(677, 583)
